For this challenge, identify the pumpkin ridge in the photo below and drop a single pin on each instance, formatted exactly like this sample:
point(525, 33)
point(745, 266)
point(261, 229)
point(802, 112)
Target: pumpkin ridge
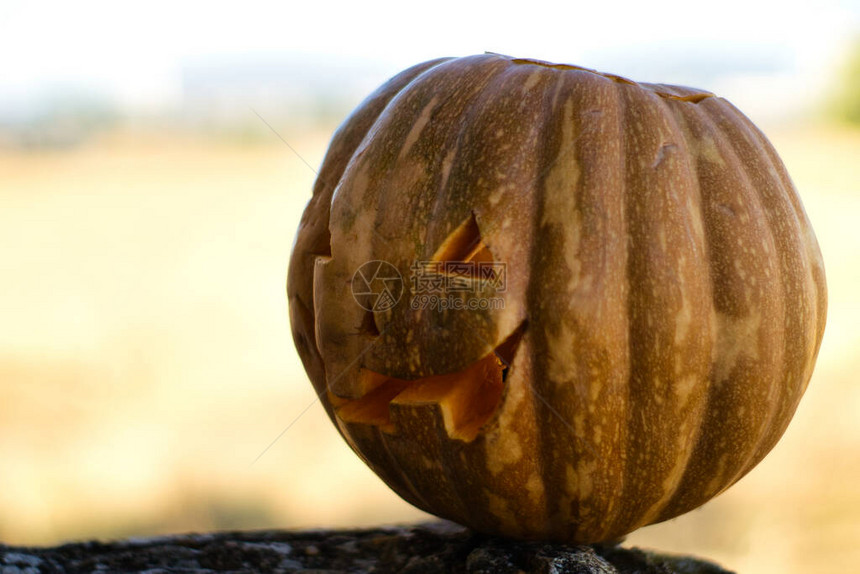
point(797, 298)
point(662, 272)
point(680, 501)
point(630, 487)
point(615, 525)
point(552, 520)
point(766, 426)
point(414, 494)
point(474, 109)
point(813, 252)
point(533, 293)
point(671, 505)
point(705, 462)
point(479, 92)
point(673, 491)
point(559, 280)
point(366, 114)
point(811, 242)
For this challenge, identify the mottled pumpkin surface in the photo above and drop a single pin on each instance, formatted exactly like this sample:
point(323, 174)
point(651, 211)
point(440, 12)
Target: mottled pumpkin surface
point(664, 295)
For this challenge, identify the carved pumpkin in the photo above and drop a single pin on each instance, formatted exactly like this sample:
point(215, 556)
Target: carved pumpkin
point(663, 295)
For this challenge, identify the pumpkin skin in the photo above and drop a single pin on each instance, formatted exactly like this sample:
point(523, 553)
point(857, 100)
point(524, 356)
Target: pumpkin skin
point(664, 301)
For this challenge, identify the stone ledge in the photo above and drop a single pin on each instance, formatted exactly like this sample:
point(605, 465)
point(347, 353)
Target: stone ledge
point(429, 548)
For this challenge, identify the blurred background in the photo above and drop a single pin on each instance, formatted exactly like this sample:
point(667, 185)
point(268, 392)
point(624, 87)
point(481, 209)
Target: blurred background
point(148, 203)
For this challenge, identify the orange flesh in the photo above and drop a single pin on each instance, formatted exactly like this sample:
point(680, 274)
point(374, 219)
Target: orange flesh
point(480, 253)
point(466, 245)
point(467, 398)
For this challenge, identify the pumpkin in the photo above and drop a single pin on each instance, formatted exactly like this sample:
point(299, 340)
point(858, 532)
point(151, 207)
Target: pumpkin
point(641, 296)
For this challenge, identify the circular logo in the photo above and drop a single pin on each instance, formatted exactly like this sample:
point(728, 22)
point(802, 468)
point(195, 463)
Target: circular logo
point(377, 286)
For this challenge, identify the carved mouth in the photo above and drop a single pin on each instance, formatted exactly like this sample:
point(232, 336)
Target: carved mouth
point(466, 399)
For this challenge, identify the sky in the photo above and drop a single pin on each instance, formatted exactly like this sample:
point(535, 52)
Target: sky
point(135, 53)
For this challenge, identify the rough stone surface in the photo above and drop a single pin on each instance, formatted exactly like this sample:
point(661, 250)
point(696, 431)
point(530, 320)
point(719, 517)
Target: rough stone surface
point(431, 548)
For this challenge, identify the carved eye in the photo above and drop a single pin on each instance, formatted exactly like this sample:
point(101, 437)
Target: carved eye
point(464, 244)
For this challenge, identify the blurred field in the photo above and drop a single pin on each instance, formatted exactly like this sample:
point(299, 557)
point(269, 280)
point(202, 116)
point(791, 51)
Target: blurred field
point(146, 360)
